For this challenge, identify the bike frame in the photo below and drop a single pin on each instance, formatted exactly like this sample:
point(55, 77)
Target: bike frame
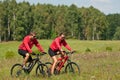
point(19, 70)
point(62, 60)
point(33, 63)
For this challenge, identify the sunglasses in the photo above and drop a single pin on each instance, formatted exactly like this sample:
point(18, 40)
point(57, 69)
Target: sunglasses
point(63, 37)
point(34, 36)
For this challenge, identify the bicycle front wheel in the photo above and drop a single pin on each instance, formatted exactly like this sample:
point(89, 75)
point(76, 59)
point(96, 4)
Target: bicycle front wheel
point(16, 70)
point(41, 70)
point(72, 67)
point(49, 64)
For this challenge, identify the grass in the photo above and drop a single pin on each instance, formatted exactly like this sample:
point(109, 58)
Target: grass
point(98, 64)
point(79, 46)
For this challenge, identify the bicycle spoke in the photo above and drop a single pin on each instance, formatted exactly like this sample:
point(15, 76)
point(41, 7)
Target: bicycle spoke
point(72, 68)
point(41, 70)
point(17, 70)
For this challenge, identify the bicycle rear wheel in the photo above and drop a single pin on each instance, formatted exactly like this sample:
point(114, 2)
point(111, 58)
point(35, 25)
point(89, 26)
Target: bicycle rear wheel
point(41, 70)
point(72, 67)
point(16, 70)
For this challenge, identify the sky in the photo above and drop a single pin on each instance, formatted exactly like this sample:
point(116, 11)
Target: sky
point(105, 6)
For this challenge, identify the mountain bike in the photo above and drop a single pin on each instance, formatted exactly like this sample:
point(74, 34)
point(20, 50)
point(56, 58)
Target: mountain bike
point(17, 70)
point(70, 67)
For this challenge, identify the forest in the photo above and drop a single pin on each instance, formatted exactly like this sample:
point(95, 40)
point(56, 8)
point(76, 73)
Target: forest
point(47, 20)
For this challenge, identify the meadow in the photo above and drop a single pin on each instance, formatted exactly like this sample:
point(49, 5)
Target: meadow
point(98, 60)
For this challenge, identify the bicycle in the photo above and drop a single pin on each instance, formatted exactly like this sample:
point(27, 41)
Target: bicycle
point(17, 70)
point(70, 67)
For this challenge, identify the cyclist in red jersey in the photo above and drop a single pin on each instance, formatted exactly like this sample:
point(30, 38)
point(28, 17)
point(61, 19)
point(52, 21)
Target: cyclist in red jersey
point(26, 45)
point(56, 47)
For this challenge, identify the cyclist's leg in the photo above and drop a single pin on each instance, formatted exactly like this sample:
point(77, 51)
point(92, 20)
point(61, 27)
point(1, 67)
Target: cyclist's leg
point(26, 59)
point(25, 55)
point(54, 63)
point(30, 59)
point(53, 56)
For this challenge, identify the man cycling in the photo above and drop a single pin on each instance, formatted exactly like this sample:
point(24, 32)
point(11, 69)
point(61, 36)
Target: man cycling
point(56, 47)
point(26, 45)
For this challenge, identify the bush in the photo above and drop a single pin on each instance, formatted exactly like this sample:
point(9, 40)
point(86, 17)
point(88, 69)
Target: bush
point(87, 50)
point(108, 48)
point(9, 54)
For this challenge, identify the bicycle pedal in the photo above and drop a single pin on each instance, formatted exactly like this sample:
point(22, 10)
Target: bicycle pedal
point(25, 69)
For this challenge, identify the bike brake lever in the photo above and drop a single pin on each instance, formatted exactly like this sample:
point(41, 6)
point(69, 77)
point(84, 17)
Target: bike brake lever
point(33, 53)
point(42, 54)
point(73, 52)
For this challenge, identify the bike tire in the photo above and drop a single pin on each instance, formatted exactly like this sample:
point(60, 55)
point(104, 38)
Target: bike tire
point(72, 67)
point(16, 70)
point(49, 64)
point(41, 70)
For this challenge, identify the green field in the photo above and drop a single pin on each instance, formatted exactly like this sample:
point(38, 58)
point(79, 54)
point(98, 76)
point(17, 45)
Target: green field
point(98, 60)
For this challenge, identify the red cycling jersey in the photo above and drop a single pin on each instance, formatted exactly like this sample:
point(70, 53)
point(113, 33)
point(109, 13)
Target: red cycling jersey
point(27, 44)
point(57, 44)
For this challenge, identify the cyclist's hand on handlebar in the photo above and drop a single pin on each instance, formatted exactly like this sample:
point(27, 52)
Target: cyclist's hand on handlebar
point(73, 51)
point(33, 53)
point(44, 53)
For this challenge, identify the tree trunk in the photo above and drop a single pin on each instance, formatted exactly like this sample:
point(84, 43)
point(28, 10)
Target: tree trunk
point(98, 37)
point(0, 31)
point(14, 17)
point(8, 36)
point(93, 33)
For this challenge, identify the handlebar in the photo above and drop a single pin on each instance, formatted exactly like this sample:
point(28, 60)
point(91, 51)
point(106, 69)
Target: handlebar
point(69, 52)
point(39, 54)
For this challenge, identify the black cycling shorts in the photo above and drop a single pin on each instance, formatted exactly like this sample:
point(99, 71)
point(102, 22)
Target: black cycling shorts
point(23, 53)
point(51, 52)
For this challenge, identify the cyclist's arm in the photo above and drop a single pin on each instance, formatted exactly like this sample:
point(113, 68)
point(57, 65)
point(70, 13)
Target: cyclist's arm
point(38, 46)
point(66, 45)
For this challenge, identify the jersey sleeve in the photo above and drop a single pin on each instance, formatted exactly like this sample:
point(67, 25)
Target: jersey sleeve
point(66, 45)
point(38, 46)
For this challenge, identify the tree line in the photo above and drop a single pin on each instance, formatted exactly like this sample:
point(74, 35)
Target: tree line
point(19, 19)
